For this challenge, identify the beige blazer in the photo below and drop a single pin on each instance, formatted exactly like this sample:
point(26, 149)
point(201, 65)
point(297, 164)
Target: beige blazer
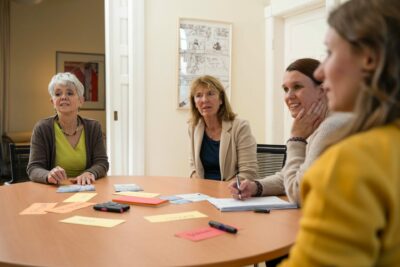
point(237, 152)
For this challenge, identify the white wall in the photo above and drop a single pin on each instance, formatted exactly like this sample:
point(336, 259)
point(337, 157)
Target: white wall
point(290, 25)
point(37, 32)
point(166, 127)
point(72, 25)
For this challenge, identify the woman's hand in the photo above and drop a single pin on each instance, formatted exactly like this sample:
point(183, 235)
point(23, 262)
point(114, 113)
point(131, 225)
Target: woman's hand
point(56, 175)
point(306, 122)
point(247, 189)
point(85, 178)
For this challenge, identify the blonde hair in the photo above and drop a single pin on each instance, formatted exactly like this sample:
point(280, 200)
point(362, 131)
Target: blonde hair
point(225, 111)
point(374, 25)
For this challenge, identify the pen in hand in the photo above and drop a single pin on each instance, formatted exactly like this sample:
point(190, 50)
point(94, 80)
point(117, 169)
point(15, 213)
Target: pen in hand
point(238, 186)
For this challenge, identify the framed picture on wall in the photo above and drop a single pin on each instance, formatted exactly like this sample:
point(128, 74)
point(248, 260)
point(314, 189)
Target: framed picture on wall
point(204, 49)
point(90, 70)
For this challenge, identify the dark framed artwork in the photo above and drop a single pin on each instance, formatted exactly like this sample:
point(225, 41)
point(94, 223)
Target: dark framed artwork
point(90, 70)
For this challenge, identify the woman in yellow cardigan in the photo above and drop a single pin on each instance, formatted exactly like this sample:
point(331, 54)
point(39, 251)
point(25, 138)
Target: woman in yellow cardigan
point(351, 195)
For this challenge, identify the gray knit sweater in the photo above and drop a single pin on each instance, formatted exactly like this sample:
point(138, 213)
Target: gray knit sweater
point(43, 149)
point(300, 157)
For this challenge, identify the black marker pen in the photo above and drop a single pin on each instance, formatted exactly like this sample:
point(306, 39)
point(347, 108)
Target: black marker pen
point(262, 211)
point(223, 227)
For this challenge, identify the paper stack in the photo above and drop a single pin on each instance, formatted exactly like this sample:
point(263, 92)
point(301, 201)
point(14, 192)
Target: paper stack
point(230, 204)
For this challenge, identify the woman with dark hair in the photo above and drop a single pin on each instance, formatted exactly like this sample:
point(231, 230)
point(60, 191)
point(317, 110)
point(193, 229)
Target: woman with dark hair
point(306, 100)
point(221, 145)
point(351, 195)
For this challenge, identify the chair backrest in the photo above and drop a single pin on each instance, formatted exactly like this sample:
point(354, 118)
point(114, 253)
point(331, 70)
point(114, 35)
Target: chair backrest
point(19, 157)
point(270, 159)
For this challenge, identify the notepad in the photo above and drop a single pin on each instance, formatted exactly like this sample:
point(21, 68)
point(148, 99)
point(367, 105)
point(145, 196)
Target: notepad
point(230, 204)
point(137, 194)
point(146, 201)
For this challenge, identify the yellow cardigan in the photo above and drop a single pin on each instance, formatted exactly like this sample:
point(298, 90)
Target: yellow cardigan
point(351, 197)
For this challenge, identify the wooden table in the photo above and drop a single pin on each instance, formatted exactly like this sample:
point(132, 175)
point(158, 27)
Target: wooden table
point(41, 240)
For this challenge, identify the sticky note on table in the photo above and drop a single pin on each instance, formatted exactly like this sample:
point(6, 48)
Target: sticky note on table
point(91, 221)
point(70, 207)
point(200, 234)
point(175, 216)
point(75, 188)
point(127, 187)
point(80, 197)
point(137, 194)
point(194, 197)
point(38, 208)
point(175, 199)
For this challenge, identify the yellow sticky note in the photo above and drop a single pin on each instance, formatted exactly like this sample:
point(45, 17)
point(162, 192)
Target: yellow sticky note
point(93, 221)
point(175, 216)
point(38, 208)
point(80, 197)
point(137, 194)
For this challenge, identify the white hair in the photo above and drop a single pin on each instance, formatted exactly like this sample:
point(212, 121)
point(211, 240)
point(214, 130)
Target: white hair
point(65, 78)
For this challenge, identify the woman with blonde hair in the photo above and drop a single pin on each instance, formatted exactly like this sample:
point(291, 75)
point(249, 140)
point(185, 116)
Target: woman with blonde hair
point(221, 145)
point(351, 195)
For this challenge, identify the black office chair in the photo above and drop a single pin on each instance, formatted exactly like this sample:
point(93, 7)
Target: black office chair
point(19, 157)
point(270, 159)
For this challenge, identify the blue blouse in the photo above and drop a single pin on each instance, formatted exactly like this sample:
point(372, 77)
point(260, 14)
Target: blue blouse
point(209, 156)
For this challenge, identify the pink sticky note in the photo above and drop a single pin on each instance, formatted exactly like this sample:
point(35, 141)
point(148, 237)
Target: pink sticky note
point(200, 234)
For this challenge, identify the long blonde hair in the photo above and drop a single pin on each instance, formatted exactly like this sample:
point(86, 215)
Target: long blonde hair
point(225, 111)
point(374, 25)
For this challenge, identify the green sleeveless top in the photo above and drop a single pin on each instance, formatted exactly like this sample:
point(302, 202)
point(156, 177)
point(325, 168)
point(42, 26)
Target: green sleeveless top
point(72, 160)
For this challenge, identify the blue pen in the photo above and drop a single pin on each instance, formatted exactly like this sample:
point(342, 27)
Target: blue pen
point(238, 185)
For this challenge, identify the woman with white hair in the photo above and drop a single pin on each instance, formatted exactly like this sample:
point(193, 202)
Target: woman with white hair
point(67, 145)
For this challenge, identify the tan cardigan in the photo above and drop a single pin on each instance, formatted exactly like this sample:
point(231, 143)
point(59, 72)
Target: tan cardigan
point(238, 150)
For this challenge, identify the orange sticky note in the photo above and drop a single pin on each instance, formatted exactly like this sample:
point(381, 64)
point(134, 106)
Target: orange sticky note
point(38, 208)
point(70, 207)
point(200, 234)
point(146, 201)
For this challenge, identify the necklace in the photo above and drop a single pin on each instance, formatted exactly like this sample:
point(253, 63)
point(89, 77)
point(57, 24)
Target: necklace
point(68, 134)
